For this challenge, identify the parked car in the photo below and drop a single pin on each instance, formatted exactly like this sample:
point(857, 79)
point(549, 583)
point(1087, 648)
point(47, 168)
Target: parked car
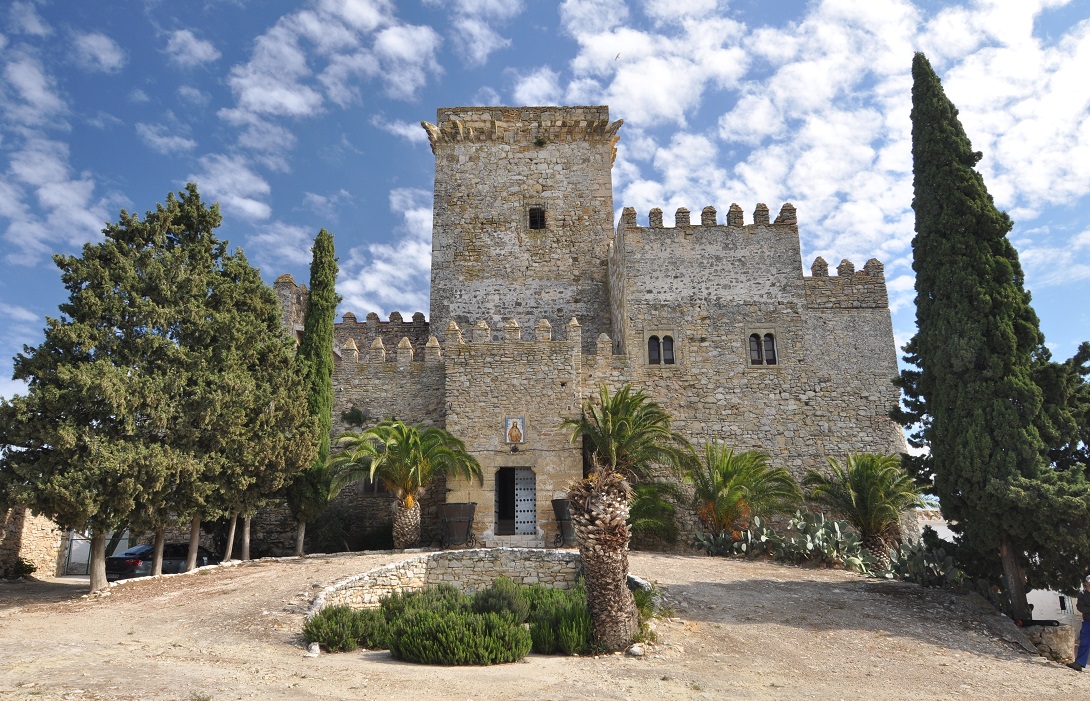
point(136, 561)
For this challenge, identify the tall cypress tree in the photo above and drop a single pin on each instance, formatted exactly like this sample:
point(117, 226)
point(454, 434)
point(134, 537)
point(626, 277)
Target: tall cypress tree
point(310, 492)
point(977, 345)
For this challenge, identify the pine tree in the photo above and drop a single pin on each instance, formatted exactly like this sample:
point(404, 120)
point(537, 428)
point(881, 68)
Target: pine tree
point(310, 492)
point(973, 393)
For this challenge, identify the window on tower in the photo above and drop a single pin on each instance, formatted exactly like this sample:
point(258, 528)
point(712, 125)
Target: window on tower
point(537, 217)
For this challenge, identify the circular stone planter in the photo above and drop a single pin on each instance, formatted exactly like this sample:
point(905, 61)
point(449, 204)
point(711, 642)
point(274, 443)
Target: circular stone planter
point(468, 570)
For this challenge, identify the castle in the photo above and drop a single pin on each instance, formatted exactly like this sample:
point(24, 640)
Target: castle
point(537, 302)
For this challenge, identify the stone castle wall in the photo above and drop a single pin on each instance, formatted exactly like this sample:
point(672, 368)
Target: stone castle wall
point(492, 165)
point(538, 381)
point(710, 286)
point(33, 538)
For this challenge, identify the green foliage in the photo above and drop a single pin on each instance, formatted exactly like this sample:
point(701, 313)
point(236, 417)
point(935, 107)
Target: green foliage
point(165, 389)
point(457, 638)
point(355, 417)
point(923, 565)
point(312, 489)
point(19, 567)
point(440, 597)
point(404, 458)
point(629, 433)
point(652, 514)
point(502, 597)
point(730, 489)
point(812, 539)
point(870, 491)
point(981, 394)
point(575, 632)
point(343, 629)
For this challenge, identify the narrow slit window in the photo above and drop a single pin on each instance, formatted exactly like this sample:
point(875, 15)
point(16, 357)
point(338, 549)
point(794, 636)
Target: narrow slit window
point(653, 355)
point(755, 355)
point(770, 349)
point(667, 350)
point(537, 217)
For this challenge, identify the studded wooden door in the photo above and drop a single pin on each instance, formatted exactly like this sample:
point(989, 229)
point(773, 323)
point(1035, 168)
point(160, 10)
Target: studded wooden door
point(525, 502)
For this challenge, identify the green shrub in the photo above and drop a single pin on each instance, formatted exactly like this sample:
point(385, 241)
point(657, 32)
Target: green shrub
point(20, 567)
point(575, 632)
point(457, 637)
point(503, 597)
point(925, 564)
point(441, 597)
point(343, 629)
point(543, 637)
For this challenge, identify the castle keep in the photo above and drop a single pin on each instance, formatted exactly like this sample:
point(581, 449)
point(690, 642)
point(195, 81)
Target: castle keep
point(537, 301)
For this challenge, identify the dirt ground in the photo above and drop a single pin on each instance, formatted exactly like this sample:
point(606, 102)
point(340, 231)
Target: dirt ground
point(742, 630)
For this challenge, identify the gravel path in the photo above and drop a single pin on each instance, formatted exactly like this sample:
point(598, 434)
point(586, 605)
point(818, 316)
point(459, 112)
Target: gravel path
point(742, 630)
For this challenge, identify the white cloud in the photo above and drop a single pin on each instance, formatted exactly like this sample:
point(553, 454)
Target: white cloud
point(46, 205)
point(408, 57)
point(138, 96)
point(186, 50)
point(361, 15)
point(592, 16)
point(19, 313)
point(26, 20)
point(98, 53)
point(278, 243)
point(239, 189)
point(486, 96)
point(193, 95)
point(30, 93)
point(327, 206)
point(158, 138)
point(473, 26)
point(409, 131)
point(540, 87)
point(393, 276)
point(270, 83)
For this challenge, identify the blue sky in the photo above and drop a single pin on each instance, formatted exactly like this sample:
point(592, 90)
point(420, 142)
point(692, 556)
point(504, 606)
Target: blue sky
point(301, 115)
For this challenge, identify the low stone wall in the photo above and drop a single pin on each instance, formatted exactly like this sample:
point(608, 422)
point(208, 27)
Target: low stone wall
point(31, 537)
point(468, 570)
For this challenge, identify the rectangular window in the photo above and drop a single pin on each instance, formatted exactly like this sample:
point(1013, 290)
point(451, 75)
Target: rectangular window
point(537, 217)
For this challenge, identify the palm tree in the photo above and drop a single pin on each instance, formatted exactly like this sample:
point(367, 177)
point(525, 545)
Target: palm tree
point(870, 492)
point(730, 488)
point(405, 459)
point(627, 434)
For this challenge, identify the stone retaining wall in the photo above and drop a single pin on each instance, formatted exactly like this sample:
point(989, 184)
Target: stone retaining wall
point(468, 570)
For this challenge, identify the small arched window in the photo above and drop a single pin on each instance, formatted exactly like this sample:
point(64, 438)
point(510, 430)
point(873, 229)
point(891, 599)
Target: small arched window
point(653, 355)
point(770, 349)
point(667, 350)
point(756, 357)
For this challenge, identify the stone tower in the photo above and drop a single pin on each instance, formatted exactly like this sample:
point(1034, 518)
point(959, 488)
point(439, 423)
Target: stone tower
point(523, 216)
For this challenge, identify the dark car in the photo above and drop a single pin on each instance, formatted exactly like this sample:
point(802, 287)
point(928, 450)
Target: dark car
point(136, 561)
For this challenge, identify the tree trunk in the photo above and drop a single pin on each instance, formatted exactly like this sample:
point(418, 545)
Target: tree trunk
point(406, 525)
point(300, 534)
point(98, 562)
point(194, 543)
point(1015, 579)
point(246, 537)
point(879, 548)
point(157, 551)
point(230, 549)
point(599, 509)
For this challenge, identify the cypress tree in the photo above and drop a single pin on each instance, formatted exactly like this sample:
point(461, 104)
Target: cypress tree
point(977, 352)
point(310, 491)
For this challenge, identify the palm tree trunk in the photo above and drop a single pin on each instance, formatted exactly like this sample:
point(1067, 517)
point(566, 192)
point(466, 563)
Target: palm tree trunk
point(406, 525)
point(879, 548)
point(230, 549)
point(599, 506)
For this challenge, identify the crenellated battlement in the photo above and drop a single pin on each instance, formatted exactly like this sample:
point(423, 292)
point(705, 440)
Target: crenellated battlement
point(849, 288)
point(479, 337)
point(709, 217)
point(527, 125)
